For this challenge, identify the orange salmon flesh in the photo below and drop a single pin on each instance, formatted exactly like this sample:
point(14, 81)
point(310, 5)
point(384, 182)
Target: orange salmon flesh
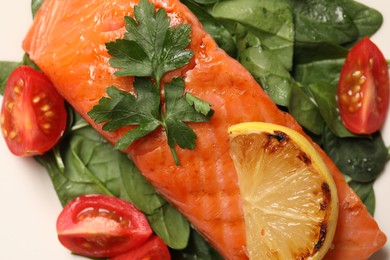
point(67, 41)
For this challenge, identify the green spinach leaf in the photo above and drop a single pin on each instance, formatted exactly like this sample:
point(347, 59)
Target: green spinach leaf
point(321, 80)
point(171, 226)
point(265, 46)
point(324, 95)
point(205, 2)
point(270, 21)
point(366, 193)
point(316, 51)
point(220, 34)
point(35, 5)
point(269, 72)
point(198, 249)
point(6, 68)
point(84, 163)
point(325, 29)
point(367, 20)
point(363, 159)
point(305, 110)
point(28, 62)
point(323, 21)
point(325, 70)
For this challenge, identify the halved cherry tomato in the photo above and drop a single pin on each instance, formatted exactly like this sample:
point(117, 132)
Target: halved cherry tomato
point(363, 90)
point(101, 226)
point(153, 249)
point(33, 115)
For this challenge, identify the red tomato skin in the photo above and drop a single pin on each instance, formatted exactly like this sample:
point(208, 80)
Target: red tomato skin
point(153, 249)
point(363, 90)
point(101, 226)
point(33, 114)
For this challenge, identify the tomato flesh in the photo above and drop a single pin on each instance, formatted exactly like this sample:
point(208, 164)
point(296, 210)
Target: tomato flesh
point(153, 249)
point(33, 115)
point(101, 226)
point(363, 90)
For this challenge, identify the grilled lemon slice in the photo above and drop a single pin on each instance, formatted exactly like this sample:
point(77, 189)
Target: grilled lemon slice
point(289, 197)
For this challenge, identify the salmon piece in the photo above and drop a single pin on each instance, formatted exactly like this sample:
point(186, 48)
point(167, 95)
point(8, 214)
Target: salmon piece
point(67, 41)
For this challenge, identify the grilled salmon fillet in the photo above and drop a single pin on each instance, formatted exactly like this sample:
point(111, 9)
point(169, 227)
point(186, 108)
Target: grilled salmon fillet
point(67, 41)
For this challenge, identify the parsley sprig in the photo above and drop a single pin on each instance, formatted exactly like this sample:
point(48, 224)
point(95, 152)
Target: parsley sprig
point(150, 48)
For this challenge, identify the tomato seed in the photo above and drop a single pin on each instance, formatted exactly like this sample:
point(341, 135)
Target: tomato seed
point(12, 135)
point(357, 88)
point(344, 98)
point(49, 114)
point(354, 107)
point(124, 223)
point(357, 74)
point(10, 105)
point(353, 97)
point(356, 98)
point(17, 90)
point(87, 245)
point(46, 126)
point(45, 108)
point(362, 80)
point(371, 63)
point(36, 99)
point(18, 87)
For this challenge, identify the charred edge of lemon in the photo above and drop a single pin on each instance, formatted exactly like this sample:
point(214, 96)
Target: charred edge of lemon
point(282, 133)
point(282, 138)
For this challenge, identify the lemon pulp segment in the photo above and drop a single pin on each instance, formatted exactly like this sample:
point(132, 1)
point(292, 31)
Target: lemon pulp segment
point(289, 197)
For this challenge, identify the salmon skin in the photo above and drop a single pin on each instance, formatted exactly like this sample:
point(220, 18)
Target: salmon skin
point(67, 41)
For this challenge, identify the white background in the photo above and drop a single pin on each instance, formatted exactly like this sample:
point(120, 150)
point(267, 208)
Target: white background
point(29, 206)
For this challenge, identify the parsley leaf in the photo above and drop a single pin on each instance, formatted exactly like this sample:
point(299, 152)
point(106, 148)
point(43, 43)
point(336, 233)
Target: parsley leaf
point(149, 49)
point(124, 109)
point(131, 58)
point(179, 110)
